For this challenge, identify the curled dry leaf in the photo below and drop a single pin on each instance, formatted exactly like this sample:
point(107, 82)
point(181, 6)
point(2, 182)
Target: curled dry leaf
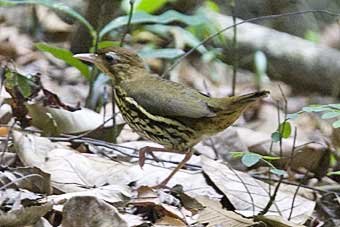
point(250, 196)
point(55, 121)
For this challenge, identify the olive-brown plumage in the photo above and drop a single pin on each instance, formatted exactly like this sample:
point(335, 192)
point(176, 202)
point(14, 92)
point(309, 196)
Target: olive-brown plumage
point(163, 111)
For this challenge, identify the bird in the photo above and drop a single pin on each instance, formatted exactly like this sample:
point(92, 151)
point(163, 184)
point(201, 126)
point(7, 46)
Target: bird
point(160, 110)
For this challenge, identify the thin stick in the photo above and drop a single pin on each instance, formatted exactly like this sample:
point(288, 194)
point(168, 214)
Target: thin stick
point(267, 17)
point(132, 2)
point(235, 65)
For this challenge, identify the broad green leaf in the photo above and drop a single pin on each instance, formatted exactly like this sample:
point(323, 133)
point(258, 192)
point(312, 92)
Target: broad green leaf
point(310, 109)
point(329, 115)
point(336, 124)
point(335, 106)
point(142, 17)
point(279, 172)
point(285, 129)
point(66, 56)
point(276, 136)
point(161, 53)
point(250, 159)
point(24, 85)
point(56, 6)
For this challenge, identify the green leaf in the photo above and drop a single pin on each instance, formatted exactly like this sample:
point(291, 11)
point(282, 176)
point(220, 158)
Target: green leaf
point(142, 17)
point(329, 115)
point(333, 173)
point(335, 106)
point(336, 124)
point(212, 6)
point(285, 129)
point(56, 6)
point(161, 53)
point(235, 154)
point(292, 116)
point(104, 44)
point(150, 6)
point(249, 159)
point(310, 109)
point(266, 157)
point(312, 36)
point(66, 56)
point(276, 136)
point(279, 172)
point(24, 85)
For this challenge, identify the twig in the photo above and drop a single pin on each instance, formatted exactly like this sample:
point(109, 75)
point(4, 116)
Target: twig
point(295, 194)
point(293, 147)
point(132, 2)
point(95, 129)
point(272, 198)
point(113, 101)
point(292, 183)
point(247, 189)
point(235, 65)
point(267, 17)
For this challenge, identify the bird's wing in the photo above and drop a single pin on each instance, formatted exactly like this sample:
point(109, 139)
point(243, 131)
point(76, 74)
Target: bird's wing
point(166, 98)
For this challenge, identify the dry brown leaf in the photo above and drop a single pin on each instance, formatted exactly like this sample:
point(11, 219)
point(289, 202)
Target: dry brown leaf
point(214, 215)
point(250, 196)
point(89, 211)
point(166, 211)
point(21, 213)
point(70, 170)
point(276, 221)
point(30, 178)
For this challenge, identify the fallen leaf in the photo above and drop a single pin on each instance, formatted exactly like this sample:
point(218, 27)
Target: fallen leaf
point(250, 196)
point(214, 215)
point(89, 211)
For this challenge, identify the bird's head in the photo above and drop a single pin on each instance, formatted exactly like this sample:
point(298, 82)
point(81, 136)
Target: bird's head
point(117, 62)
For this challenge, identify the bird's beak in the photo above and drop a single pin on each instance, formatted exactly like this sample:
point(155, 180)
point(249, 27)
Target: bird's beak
point(87, 57)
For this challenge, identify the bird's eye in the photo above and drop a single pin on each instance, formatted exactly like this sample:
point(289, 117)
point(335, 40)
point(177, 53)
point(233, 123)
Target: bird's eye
point(111, 57)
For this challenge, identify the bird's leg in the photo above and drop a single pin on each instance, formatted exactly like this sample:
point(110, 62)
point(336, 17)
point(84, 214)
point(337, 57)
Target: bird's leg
point(150, 150)
point(187, 156)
